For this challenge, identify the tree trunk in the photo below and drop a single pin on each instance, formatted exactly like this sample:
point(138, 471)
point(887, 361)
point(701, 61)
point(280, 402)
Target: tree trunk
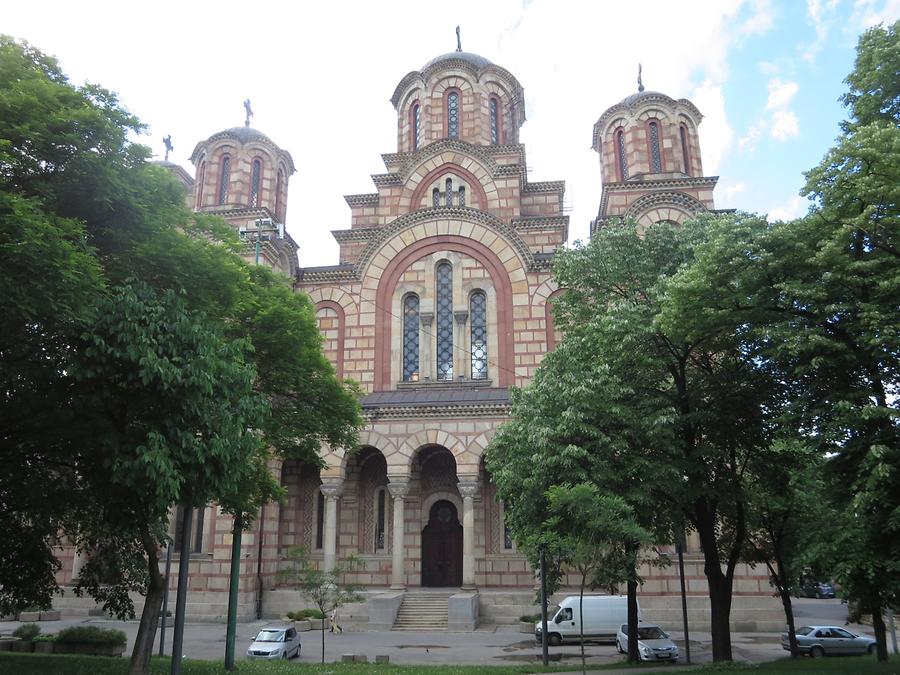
point(323, 636)
point(789, 616)
point(719, 584)
point(143, 642)
point(633, 655)
point(880, 632)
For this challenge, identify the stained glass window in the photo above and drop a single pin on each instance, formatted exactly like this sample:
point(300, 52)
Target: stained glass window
point(495, 122)
point(444, 321)
point(655, 161)
point(278, 186)
point(255, 173)
point(478, 319)
point(620, 152)
point(320, 520)
point(436, 197)
point(685, 157)
point(201, 179)
point(415, 127)
point(411, 339)
point(448, 190)
point(224, 177)
point(462, 196)
point(453, 115)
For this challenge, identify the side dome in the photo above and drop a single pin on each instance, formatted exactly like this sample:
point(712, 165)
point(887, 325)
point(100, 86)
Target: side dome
point(469, 57)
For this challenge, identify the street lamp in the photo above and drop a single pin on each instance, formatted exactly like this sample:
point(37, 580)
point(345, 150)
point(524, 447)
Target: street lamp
point(259, 236)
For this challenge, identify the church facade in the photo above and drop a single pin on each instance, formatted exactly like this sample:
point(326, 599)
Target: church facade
point(439, 302)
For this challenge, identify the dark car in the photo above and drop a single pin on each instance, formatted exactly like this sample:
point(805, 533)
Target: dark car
point(816, 589)
point(829, 640)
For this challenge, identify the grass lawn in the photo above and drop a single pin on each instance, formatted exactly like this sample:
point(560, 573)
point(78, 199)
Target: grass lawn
point(70, 664)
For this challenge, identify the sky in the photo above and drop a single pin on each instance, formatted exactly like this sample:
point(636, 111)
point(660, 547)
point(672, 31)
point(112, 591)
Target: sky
point(766, 74)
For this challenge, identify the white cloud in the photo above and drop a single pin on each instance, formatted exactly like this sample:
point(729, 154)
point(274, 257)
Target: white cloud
point(867, 13)
point(728, 191)
point(748, 141)
point(780, 94)
point(716, 133)
point(784, 125)
point(795, 207)
point(821, 14)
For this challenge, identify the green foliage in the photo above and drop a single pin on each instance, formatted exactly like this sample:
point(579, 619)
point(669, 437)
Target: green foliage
point(91, 635)
point(302, 614)
point(874, 87)
point(27, 631)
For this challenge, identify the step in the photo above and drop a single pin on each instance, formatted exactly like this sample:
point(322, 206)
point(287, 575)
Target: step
point(423, 612)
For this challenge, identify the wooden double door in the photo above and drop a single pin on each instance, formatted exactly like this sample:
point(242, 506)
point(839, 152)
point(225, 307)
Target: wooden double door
point(442, 546)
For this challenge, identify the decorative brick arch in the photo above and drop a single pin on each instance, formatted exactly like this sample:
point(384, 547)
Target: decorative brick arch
point(500, 261)
point(402, 467)
point(479, 196)
point(541, 298)
point(675, 206)
point(331, 304)
point(373, 439)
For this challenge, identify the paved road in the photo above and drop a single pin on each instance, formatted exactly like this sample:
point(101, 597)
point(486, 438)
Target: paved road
point(489, 645)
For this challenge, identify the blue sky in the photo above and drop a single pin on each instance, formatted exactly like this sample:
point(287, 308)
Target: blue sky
point(766, 74)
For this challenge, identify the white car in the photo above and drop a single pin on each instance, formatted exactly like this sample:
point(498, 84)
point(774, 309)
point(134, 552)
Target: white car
point(653, 643)
point(275, 642)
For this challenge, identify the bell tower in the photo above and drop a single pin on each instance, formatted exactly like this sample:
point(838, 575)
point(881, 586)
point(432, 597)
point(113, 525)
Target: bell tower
point(650, 160)
point(242, 176)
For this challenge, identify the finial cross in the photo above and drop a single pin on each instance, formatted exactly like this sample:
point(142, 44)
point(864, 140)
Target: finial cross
point(458, 41)
point(640, 81)
point(249, 111)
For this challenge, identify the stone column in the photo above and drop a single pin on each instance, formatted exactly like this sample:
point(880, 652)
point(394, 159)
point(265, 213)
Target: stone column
point(461, 344)
point(398, 489)
point(332, 490)
point(426, 338)
point(467, 490)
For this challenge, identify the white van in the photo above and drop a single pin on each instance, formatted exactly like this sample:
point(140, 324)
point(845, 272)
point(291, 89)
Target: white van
point(603, 615)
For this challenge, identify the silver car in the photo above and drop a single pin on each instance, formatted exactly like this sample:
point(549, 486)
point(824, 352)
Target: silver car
point(653, 643)
point(821, 640)
point(275, 642)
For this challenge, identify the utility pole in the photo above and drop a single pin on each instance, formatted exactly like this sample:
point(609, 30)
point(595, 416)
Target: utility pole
point(233, 584)
point(679, 546)
point(165, 605)
point(181, 597)
point(545, 656)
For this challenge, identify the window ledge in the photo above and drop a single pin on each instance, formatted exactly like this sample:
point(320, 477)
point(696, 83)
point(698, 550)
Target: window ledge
point(461, 383)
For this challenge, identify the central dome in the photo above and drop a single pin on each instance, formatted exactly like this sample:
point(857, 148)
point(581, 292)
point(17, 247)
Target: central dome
point(474, 59)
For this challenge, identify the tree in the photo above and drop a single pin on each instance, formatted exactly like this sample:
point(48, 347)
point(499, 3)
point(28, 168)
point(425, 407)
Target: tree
point(688, 377)
point(326, 589)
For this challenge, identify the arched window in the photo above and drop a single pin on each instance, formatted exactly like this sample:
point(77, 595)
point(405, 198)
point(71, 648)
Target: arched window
point(448, 191)
point(655, 159)
point(201, 179)
point(411, 338)
point(685, 155)
point(453, 114)
point(380, 518)
point(414, 126)
point(320, 519)
point(478, 328)
point(224, 178)
point(462, 195)
point(621, 160)
point(444, 321)
point(279, 185)
point(436, 197)
point(255, 179)
point(495, 120)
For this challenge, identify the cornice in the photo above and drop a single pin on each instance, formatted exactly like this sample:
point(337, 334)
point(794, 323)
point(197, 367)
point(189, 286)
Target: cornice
point(369, 199)
point(545, 186)
point(636, 102)
point(667, 184)
point(489, 410)
point(540, 223)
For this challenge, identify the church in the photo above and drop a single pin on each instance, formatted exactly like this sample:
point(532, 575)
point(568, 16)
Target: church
point(440, 301)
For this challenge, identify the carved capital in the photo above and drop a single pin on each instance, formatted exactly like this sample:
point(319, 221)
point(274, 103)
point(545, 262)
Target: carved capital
point(332, 489)
point(427, 318)
point(468, 489)
point(398, 488)
point(461, 317)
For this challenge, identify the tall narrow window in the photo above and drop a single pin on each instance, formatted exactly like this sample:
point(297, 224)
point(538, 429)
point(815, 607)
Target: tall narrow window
point(462, 195)
point(620, 155)
point(320, 519)
point(380, 518)
point(453, 114)
point(444, 321)
point(415, 129)
point(685, 157)
point(495, 121)
point(655, 159)
point(224, 178)
point(436, 197)
point(448, 191)
point(255, 178)
point(201, 180)
point(478, 319)
point(279, 184)
point(411, 338)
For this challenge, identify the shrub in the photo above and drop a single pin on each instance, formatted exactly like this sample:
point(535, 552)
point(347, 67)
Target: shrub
point(302, 614)
point(27, 631)
point(530, 618)
point(45, 637)
point(91, 635)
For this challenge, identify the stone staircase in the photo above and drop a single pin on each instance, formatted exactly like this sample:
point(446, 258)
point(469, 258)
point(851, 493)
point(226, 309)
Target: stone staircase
point(422, 611)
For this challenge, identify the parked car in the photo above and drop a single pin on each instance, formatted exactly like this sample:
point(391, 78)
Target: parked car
point(275, 642)
point(824, 640)
point(816, 589)
point(653, 643)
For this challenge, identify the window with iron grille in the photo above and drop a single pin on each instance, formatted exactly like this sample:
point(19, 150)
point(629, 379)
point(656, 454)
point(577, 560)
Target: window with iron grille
point(685, 157)
point(478, 330)
point(411, 338)
point(655, 160)
point(255, 174)
point(444, 321)
point(495, 122)
point(462, 195)
point(224, 177)
point(620, 154)
point(453, 115)
point(448, 190)
point(381, 517)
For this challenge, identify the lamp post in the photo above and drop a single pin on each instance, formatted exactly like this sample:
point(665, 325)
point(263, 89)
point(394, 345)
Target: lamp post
point(679, 546)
